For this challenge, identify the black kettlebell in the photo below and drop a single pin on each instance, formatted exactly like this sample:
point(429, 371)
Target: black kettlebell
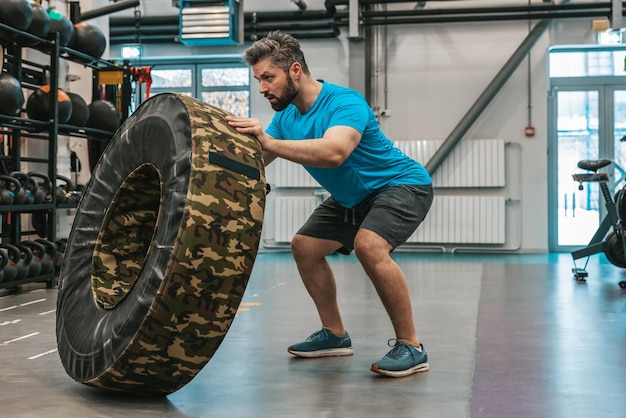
point(27, 186)
point(8, 185)
point(33, 265)
point(38, 250)
point(64, 189)
point(16, 268)
point(58, 257)
point(4, 260)
point(43, 191)
point(19, 195)
point(47, 262)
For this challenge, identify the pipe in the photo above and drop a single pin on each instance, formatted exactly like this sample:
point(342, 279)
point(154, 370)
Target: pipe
point(115, 7)
point(485, 98)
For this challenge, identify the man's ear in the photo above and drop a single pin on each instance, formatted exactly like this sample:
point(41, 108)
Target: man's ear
point(295, 70)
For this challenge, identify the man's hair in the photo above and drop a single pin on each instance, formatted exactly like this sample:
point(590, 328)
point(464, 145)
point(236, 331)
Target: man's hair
point(282, 49)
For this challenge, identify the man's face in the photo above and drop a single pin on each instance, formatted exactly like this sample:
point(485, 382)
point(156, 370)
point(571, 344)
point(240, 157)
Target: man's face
point(275, 84)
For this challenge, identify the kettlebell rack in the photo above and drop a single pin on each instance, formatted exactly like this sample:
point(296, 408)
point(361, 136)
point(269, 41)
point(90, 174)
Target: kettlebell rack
point(24, 258)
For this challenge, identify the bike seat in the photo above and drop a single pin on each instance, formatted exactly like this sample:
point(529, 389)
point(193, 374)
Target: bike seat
point(593, 165)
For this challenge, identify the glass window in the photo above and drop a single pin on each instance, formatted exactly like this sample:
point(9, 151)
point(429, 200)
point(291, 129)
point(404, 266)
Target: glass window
point(587, 63)
point(235, 102)
point(225, 77)
point(171, 78)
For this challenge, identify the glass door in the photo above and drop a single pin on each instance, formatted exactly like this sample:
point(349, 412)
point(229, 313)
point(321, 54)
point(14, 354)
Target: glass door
point(590, 124)
point(578, 138)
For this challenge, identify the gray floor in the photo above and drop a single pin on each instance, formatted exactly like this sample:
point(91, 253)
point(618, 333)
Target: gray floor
point(507, 336)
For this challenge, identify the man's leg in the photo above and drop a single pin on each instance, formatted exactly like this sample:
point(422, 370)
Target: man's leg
point(310, 256)
point(373, 252)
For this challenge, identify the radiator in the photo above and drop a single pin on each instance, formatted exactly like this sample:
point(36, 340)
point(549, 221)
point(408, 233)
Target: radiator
point(291, 212)
point(463, 220)
point(284, 173)
point(472, 163)
point(451, 220)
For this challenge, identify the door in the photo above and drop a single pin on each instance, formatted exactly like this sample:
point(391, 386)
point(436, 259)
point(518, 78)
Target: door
point(589, 123)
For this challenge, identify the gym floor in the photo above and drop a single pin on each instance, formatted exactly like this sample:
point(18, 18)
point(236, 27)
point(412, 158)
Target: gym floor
point(507, 336)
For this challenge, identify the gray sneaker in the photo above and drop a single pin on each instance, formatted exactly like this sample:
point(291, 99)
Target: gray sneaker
point(323, 344)
point(402, 360)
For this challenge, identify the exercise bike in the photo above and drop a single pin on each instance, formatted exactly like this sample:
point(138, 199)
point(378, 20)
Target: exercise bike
point(614, 243)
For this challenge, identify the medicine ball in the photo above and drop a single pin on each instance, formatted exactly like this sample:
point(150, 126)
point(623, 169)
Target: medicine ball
point(16, 13)
point(11, 95)
point(88, 39)
point(61, 24)
point(103, 115)
point(40, 25)
point(38, 105)
point(80, 110)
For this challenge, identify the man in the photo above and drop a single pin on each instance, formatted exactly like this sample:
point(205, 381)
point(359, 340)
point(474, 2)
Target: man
point(378, 195)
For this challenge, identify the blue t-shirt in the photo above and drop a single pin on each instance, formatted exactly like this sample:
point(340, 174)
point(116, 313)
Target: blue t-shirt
point(374, 164)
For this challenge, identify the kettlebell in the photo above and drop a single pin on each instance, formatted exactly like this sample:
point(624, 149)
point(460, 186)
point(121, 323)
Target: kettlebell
point(63, 190)
point(16, 268)
point(27, 186)
point(47, 261)
point(38, 251)
point(33, 266)
point(58, 257)
point(14, 186)
point(4, 260)
point(8, 185)
point(43, 190)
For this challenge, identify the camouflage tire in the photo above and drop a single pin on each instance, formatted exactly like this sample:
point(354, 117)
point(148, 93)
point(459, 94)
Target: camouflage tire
point(161, 248)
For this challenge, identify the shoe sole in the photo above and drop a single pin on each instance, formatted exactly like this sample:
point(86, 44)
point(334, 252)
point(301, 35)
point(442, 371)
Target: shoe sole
point(330, 352)
point(423, 367)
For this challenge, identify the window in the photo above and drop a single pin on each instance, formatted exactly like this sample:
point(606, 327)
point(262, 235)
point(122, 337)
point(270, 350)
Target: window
point(223, 84)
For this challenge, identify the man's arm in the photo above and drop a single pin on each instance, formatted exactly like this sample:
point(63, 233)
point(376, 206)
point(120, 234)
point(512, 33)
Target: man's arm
point(329, 151)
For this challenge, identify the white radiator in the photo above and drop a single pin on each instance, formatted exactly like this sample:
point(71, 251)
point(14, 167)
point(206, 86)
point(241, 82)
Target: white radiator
point(284, 173)
point(472, 163)
point(463, 220)
point(291, 213)
point(451, 220)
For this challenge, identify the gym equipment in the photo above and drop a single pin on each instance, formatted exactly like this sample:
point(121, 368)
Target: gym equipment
point(16, 13)
point(33, 264)
point(88, 39)
point(11, 95)
point(80, 110)
point(38, 105)
point(47, 259)
point(28, 186)
point(63, 25)
point(39, 26)
point(9, 271)
point(4, 260)
point(10, 190)
point(16, 262)
point(612, 244)
point(43, 192)
point(161, 249)
point(103, 115)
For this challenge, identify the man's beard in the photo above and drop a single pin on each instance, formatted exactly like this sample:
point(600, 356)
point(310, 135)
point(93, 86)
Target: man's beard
point(285, 100)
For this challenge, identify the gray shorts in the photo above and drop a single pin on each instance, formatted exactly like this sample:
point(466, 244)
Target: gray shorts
point(393, 213)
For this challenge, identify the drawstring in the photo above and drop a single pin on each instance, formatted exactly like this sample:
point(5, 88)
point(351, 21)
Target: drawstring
point(345, 216)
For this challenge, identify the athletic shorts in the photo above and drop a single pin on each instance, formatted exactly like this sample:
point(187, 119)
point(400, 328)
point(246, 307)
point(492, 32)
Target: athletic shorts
point(393, 213)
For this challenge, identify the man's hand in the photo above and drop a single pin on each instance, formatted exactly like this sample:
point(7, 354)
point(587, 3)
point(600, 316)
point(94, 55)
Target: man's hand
point(250, 126)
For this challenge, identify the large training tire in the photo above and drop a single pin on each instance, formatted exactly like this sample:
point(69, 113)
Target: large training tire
point(161, 248)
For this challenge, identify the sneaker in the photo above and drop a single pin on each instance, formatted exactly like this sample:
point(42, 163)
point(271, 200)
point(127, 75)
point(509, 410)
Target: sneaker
point(402, 360)
point(323, 344)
